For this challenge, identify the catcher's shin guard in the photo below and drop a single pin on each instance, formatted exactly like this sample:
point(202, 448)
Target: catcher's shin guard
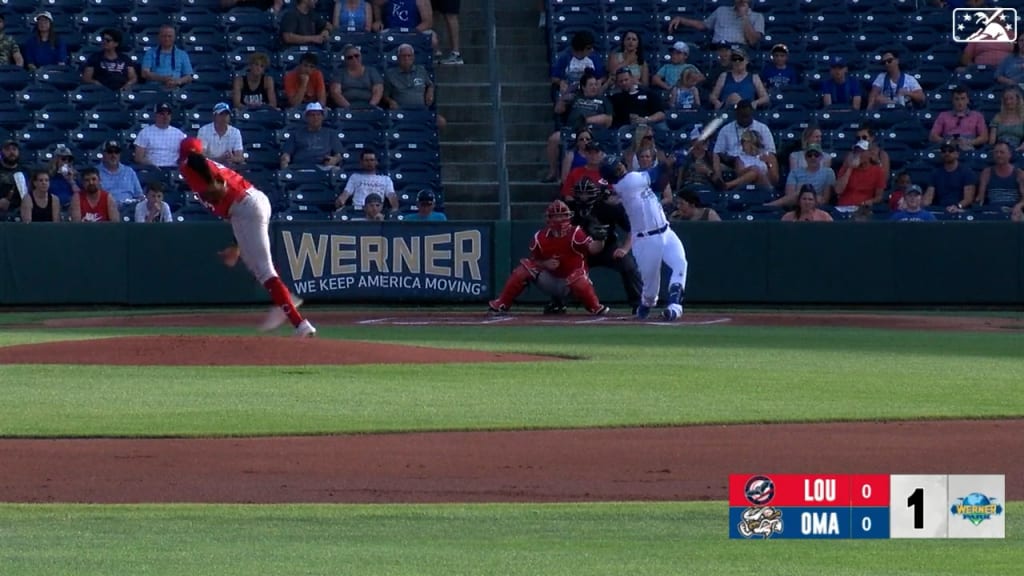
point(514, 286)
point(583, 290)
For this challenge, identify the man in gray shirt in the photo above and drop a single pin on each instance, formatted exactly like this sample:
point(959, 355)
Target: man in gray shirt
point(315, 146)
point(355, 85)
point(408, 86)
point(301, 26)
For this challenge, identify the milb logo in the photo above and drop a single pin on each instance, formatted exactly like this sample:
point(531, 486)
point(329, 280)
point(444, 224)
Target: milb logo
point(985, 25)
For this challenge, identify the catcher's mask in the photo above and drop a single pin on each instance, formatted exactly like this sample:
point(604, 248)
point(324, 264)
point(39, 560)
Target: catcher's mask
point(585, 191)
point(558, 216)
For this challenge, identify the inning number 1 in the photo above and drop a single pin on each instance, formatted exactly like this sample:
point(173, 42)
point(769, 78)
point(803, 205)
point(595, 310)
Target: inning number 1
point(916, 501)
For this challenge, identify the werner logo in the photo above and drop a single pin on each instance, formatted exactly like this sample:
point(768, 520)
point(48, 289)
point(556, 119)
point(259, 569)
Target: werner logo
point(985, 25)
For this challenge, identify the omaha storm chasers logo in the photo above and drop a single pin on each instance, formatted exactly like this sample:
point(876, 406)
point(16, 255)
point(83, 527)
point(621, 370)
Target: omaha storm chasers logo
point(985, 25)
point(976, 508)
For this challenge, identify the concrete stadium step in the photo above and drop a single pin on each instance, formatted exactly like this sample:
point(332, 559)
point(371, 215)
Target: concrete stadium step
point(479, 151)
point(478, 73)
point(470, 17)
point(531, 191)
point(530, 52)
point(480, 211)
point(526, 151)
point(529, 211)
point(467, 131)
point(529, 131)
point(514, 113)
point(468, 171)
point(471, 191)
point(526, 171)
point(459, 92)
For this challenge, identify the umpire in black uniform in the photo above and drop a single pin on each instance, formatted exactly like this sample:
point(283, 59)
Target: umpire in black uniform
point(600, 218)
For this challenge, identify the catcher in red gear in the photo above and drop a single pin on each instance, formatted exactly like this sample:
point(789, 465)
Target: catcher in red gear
point(557, 264)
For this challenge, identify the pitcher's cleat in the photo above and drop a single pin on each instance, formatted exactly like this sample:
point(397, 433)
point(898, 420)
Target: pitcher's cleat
point(305, 330)
point(276, 316)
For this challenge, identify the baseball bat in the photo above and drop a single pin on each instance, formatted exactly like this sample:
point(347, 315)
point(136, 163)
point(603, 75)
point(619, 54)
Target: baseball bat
point(711, 128)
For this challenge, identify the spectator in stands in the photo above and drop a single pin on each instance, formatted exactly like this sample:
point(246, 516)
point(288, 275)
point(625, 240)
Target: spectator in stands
point(109, 67)
point(736, 25)
point(633, 104)
point(450, 10)
point(688, 208)
point(590, 170)
point(1008, 124)
point(1011, 70)
point(40, 205)
point(10, 52)
point(754, 165)
point(93, 204)
point(165, 63)
point(861, 182)
point(574, 157)
point(45, 47)
point(840, 91)
point(965, 127)
point(727, 145)
point(222, 141)
point(814, 173)
point(425, 209)
point(685, 96)
point(153, 208)
point(1001, 185)
point(63, 177)
point(738, 84)
point(570, 65)
point(305, 83)
point(806, 209)
point(157, 144)
point(779, 73)
point(416, 15)
point(985, 53)
point(721, 64)
point(667, 77)
point(255, 88)
point(631, 55)
point(352, 16)
point(408, 86)
point(584, 109)
point(301, 26)
point(912, 211)
point(314, 146)
point(362, 184)
point(643, 140)
point(13, 181)
point(697, 168)
point(643, 159)
point(903, 184)
point(119, 180)
point(798, 158)
point(355, 85)
point(953, 184)
point(274, 5)
point(875, 153)
point(372, 210)
point(893, 87)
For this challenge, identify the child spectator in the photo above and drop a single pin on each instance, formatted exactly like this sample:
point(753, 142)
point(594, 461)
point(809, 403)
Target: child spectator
point(153, 208)
point(685, 95)
point(668, 75)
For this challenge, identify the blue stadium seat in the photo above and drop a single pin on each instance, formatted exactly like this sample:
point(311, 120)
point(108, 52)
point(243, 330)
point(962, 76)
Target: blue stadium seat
point(986, 101)
point(833, 119)
point(97, 18)
point(872, 7)
point(256, 155)
point(779, 117)
point(312, 195)
point(420, 43)
point(249, 39)
point(203, 40)
point(302, 213)
point(825, 38)
point(165, 5)
point(194, 18)
point(63, 116)
point(412, 139)
point(146, 18)
point(88, 96)
point(249, 18)
point(14, 78)
point(887, 118)
point(919, 39)
point(145, 97)
point(36, 96)
point(938, 19)
point(88, 137)
point(20, 6)
point(13, 116)
point(414, 159)
point(372, 119)
point(62, 77)
point(110, 115)
point(932, 76)
point(40, 137)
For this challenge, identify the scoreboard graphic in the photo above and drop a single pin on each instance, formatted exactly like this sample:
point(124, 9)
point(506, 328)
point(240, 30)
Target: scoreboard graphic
point(873, 506)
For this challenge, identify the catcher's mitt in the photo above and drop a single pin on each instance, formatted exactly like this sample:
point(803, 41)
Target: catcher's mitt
point(598, 232)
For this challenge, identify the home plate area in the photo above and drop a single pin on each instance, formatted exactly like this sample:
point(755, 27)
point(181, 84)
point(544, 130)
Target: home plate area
point(536, 319)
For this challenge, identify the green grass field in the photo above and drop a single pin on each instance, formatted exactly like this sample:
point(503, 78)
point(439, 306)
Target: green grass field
point(630, 376)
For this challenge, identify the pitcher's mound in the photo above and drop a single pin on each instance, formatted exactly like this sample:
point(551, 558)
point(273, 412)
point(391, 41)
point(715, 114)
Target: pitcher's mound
point(241, 351)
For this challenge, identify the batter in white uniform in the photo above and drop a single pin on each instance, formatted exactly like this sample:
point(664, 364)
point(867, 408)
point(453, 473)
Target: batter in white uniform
point(654, 241)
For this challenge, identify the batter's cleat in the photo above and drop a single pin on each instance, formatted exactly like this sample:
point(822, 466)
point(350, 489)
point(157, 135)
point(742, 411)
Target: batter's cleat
point(672, 312)
point(554, 308)
point(602, 311)
point(305, 330)
point(276, 316)
point(496, 308)
point(642, 312)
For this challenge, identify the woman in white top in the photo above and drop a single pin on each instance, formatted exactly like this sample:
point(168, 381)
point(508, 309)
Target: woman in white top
point(754, 165)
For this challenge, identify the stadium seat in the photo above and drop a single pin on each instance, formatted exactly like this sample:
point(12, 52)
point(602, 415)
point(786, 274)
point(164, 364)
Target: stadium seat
point(202, 41)
point(145, 18)
point(250, 40)
point(414, 159)
point(986, 102)
point(110, 115)
point(946, 55)
point(249, 18)
point(63, 116)
point(98, 18)
point(919, 39)
point(40, 137)
point(370, 119)
point(14, 78)
point(259, 156)
point(315, 196)
point(88, 96)
point(165, 5)
point(13, 116)
point(190, 19)
point(88, 137)
point(833, 119)
point(63, 77)
point(938, 19)
point(20, 6)
point(36, 96)
point(145, 97)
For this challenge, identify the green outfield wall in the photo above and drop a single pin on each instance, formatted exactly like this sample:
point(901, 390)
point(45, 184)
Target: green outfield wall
point(743, 262)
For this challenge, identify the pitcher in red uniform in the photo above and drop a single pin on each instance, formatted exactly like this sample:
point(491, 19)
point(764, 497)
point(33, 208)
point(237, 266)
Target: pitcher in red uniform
point(557, 264)
point(228, 195)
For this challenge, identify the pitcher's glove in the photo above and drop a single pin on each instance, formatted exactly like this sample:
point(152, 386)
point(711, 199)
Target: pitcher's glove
point(598, 232)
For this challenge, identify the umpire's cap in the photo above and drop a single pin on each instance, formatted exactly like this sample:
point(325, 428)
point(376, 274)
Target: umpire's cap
point(610, 169)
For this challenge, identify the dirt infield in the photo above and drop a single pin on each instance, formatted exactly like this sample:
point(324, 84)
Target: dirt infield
point(682, 463)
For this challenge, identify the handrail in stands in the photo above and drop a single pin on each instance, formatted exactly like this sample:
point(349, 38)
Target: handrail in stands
point(497, 115)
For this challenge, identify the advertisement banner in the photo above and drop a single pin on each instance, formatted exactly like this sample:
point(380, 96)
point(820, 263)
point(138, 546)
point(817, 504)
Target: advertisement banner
point(385, 261)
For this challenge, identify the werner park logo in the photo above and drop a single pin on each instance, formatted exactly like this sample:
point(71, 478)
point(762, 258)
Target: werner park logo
point(985, 25)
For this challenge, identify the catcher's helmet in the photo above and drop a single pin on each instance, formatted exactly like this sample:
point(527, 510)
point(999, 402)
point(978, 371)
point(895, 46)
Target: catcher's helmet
point(610, 169)
point(585, 191)
point(558, 215)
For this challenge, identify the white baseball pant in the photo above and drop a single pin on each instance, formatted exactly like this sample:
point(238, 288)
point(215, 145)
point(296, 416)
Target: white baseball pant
point(250, 221)
point(650, 250)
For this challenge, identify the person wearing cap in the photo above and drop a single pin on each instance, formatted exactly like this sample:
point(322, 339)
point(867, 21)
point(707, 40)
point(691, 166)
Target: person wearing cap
point(894, 87)
point(591, 170)
point(1001, 185)
point(119, 179)
point(814, 174)
point(670, 72)
point(109, 67)
point(736, 24)
point(738, 84)
point(728, 146)
point(779, 73)
point(362, 185)
point(92, 203)
point(165, 63)
point(314, 145)
point(806, 208)
point(634, 104)
point(356, 85)
point(157, 144)
point(254, 88)
point(302, 26)
point(305, 83)
point(860, 182)
point(631, 55)
point(966, 127)
point(912, 211)
point(840, 91)
point(44, 47)
point(425, 209)
point(580, 111)
point(10, 52)
point(222, 141)
point(953, 184)
point(14, 182)
point(63, 177)
point(372, 210)
point(798, 158)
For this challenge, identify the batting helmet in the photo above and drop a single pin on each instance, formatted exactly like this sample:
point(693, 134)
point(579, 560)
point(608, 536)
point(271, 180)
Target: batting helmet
point(558, 215)
point(610, 169)
point(190, 144)
point(585, 191)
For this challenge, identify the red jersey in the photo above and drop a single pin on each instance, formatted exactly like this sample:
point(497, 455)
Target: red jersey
point(95, 213)
point(570, 249)
point(575, 175)
point(236, 186)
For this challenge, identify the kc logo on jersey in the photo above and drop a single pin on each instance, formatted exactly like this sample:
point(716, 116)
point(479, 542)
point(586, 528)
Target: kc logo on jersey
point(985, 25)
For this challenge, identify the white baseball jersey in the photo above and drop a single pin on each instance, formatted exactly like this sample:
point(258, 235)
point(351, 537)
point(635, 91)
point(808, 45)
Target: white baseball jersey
point(642, 204)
